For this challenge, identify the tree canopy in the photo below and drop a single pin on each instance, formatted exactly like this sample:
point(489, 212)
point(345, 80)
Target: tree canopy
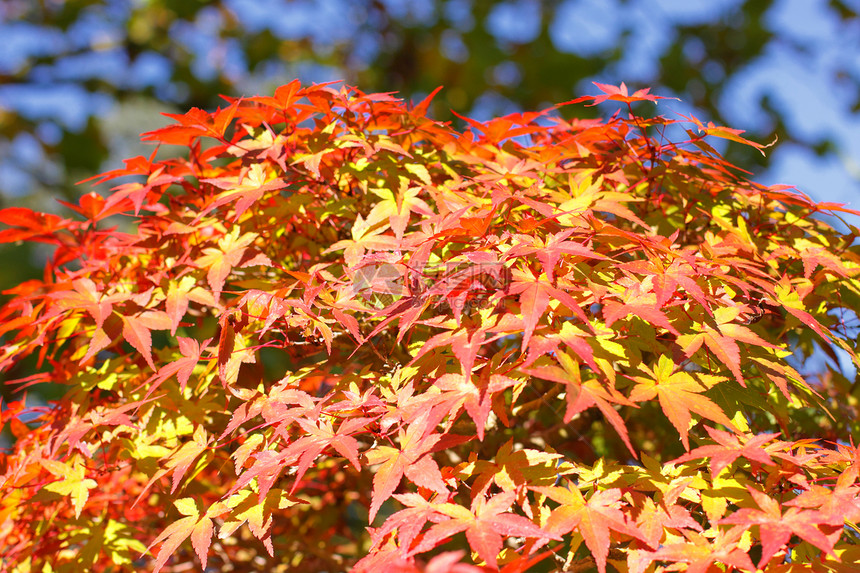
point(79, 80)
point(342, 335)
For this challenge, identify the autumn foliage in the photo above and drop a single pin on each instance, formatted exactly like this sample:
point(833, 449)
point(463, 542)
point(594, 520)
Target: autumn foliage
point(330, 334)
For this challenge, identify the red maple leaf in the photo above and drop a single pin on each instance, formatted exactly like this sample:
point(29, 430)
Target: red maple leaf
point(246, 189)
point(458, 393)
point(408, 522)
point(726, 133)
point(485, 524)
point(194, 124)
point(535, 294)
point(233, 251)
point(728, 448)
point(194, 525)
point(30, 225)
point(654, 518)
point(137, 329)
point(776, 528)
point(620, 93)
point(835, 505)
point(191, 351)
point(639, 299)
point(549, 251)
point(320, 436)
point(411, 458)
point(680, 273)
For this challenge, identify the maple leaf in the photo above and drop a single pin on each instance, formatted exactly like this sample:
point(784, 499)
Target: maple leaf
point(408, 522)
point(115, 416)
point(535, 295)
point(728, 448)
point(465, 343)
point(138, 165)
point(70, 435)
point(320, 436)
point(667, 279)
point(396, 209)
point(792, 302)
point(485, 524)
point(192, 125)
point(30, 225)
point(366, 236)
point(581, 395)
point(194, 525)
point(550, 251)
point(386, 558)
point(232, 251)
point(248, 187)
point(812, 257)
point(698, 552)
point(513, 469)
point(86, 295)
point(136, 331)
point(109, 537)
point(282, 405)
point(73, 482)
point(178, 295)
point(284, 96)
point(180, 461)
point(191, 351)
point(458, 393)
point(848, 455)
point(449, 562)
point(620, 93)
point(501, 128)
point(264, 472)
point(836, 505)
point(653, 518)
point(91, 205)
point(266, 145)
point(722, 341)
point(726, 133)
point(592, 518)
point(679, 394)
point(137, 193)
point(639, 299)
point(575, 338)
point(776, 528)
point(412, 458)
point(256, 510)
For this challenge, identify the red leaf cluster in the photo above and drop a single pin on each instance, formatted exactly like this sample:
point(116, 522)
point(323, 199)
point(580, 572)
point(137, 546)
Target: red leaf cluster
point(335, 334)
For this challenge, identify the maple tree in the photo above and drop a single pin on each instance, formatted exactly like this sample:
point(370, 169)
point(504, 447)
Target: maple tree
point(336, 334)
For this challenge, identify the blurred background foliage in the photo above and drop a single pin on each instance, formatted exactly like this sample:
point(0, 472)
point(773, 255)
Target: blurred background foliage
point(80, 79)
